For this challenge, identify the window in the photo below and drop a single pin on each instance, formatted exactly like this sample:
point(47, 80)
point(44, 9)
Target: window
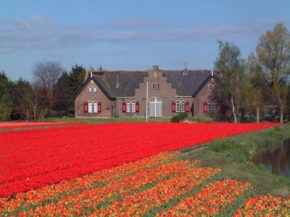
point(92, 89)
point(177, 106)
point(180, 106)
point(155, 86)
point(93, 107)
point(90, 107)
point(212, 105)
point(211, 87)
point(133, 107)
point(130, 107)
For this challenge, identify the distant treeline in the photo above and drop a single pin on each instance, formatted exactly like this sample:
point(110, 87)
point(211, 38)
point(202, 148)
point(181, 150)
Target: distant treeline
point(51, 93)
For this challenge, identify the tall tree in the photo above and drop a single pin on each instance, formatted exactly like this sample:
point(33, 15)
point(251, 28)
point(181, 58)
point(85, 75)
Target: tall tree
point(254, 86)
point(46, 75)
point(66, 88)
point(6, 105)
point(63, 95)
point(24, 100)
point(273, 52)
point(229, 66)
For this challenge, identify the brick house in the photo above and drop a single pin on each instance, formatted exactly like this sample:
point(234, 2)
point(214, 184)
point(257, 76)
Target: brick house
point(165, 92)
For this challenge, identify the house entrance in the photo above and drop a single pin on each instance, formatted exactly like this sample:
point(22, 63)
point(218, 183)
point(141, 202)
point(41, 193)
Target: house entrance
point(155, 107)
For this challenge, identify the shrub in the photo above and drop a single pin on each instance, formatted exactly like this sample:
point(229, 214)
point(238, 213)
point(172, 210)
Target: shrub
point(180, 117)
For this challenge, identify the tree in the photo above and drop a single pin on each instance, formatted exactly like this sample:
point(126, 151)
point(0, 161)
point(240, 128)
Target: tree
point(66, 88)
point(24, 100)
point(273, 52)
point(46, 76)
point(229, 67)
point(63, 95)
point(6, 105)
point(254, 86)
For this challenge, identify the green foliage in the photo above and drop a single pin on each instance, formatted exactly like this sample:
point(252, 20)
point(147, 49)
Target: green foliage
point(179, 117)
point(229, 78)
point(65, 90)
point(237, 152)
point(24, 101)
point(197, 120)
point(6, 105)
point(273, 52)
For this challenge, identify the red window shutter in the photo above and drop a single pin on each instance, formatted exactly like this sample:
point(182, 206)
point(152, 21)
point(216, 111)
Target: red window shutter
point(187, 106)
point(137, 107)
point(123, 107)
point(86, 107)
point(205, 107)
point(173, 106)
point(99, 107)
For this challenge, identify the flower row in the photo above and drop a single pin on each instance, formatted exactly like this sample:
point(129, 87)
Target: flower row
point(265, 206)
point(77, 202)
point(56, 191)
point(213, 199)
point(139, 203)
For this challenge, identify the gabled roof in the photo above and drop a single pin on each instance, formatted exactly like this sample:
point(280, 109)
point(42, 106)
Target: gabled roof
point(101, 83)
point(186, 84)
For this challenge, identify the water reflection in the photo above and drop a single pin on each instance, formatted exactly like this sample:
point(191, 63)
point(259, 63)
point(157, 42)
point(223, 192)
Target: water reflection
point(277, 162)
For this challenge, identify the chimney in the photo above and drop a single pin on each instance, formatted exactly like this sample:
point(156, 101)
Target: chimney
point(155, 68)
point(185, 71)
point(117, 82)
point(212, 73)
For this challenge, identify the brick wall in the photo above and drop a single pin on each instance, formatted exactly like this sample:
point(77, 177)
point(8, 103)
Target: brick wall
point(86, 96)
point(202, 96)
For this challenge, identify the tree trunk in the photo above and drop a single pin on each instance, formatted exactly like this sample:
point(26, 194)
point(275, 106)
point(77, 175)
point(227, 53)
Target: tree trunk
point(281, 112)
point(233, 109)
point(34, 112)
point(27, 114)
point(258, 114)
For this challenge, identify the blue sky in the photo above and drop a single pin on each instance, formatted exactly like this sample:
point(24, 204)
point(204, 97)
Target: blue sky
point(130, 34)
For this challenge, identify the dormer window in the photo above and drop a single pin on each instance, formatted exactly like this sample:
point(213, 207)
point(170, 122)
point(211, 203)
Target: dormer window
point(156, 86)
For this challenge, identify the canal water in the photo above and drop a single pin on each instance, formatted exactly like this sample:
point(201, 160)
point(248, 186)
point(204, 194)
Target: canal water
point(277, 162)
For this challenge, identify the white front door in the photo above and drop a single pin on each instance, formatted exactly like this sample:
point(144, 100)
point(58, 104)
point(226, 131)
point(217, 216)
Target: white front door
point(155, 107)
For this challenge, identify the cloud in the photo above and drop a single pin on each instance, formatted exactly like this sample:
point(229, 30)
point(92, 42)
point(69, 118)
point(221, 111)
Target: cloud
point(39, 33)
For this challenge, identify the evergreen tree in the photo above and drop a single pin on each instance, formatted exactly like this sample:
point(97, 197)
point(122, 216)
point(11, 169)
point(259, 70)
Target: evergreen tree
point(6, 104)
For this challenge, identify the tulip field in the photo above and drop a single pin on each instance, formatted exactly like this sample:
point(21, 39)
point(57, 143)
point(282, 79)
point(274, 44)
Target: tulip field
point(122, 169)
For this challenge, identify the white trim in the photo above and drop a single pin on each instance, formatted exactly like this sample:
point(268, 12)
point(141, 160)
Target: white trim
point(125, 97)
point(184, 96)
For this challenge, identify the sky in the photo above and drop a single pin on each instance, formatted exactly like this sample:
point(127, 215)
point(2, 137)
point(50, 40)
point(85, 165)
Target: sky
point(130, 34)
